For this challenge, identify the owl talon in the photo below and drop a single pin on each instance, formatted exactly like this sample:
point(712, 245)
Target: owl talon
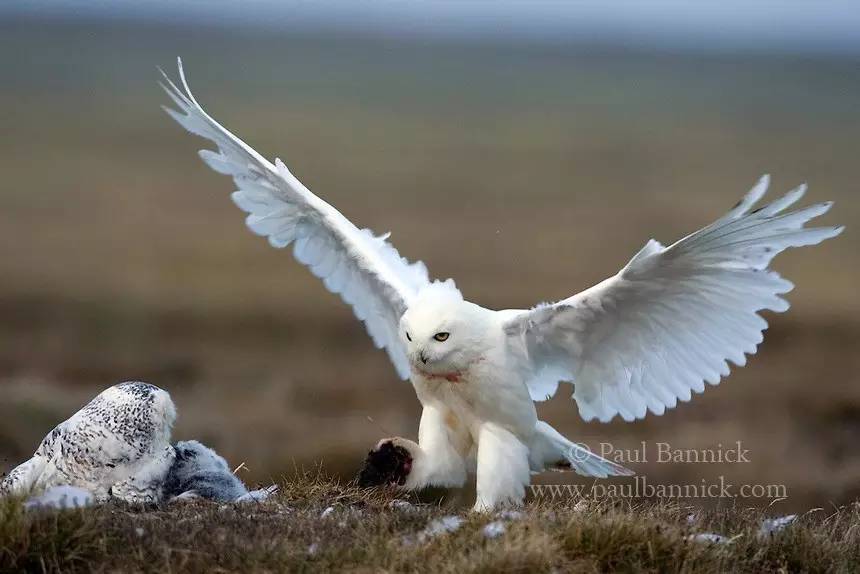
point(388, 464)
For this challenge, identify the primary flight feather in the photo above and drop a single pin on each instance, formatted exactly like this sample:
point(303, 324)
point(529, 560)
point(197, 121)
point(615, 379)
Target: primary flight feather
point(670, 321)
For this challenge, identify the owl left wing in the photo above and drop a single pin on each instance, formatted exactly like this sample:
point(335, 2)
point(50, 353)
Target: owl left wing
point(365, 270)
point(669, 321)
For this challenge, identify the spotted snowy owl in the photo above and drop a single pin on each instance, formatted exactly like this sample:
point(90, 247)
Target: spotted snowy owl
point(651, 335)
point(117, 446)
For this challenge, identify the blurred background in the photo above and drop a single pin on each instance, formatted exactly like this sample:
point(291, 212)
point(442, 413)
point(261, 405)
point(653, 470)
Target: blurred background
point(525, 149)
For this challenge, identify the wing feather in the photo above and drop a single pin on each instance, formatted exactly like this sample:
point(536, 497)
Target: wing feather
point(672, 319)
point(365, 270)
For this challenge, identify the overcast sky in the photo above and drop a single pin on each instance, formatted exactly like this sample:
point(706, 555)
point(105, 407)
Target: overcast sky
point(801, 26)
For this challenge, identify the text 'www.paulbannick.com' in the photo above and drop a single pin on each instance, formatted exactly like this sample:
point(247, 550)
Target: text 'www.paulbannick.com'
point(640, 487)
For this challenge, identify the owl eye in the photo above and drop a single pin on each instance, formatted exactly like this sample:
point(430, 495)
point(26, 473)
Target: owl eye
point(441, 336)
point(408, 338)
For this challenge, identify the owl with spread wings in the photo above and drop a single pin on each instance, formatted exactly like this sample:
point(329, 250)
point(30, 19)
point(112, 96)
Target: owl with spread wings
point(668, 323)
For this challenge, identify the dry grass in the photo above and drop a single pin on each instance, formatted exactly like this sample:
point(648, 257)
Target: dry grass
point(365, 532)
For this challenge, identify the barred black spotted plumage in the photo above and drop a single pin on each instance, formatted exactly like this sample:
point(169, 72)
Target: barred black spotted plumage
point(118, 446)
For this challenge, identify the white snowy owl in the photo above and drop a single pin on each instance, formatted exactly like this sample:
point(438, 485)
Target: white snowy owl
point(642, 340)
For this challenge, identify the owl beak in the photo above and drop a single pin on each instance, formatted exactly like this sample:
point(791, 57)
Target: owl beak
point(423, 357)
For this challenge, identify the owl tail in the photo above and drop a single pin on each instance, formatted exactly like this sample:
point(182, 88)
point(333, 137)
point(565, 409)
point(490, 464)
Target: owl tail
point(551, 451)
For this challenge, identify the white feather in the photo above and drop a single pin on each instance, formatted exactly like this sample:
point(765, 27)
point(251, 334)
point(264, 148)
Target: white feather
point(669, 323)
point(671, 319)
point(365, 270)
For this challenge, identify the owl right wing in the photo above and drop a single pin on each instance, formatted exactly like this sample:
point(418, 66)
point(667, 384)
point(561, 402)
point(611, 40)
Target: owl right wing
point(365, 270)
point(669, 321)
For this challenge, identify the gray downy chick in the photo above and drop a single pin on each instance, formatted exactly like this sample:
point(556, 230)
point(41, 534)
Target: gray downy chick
point(199, 472)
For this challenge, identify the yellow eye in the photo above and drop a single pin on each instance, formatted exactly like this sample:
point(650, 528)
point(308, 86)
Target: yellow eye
point(441, 336)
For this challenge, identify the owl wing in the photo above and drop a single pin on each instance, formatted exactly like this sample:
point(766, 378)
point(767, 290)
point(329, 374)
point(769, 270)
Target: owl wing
point(22, 478)
point(42, 468)
point(669, 321)
point(365, 270)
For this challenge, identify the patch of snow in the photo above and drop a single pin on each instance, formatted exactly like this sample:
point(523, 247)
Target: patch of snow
point(313, 549)
point(327, 512)
point(769, 526)
point(401, 505)
point(692, 518)
point(61, 497)
point(258, 495)
point(440, 526)
point(581, 506)
point(710, 538)
point(494, 529)
point(773, 525)
point(511, 515)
